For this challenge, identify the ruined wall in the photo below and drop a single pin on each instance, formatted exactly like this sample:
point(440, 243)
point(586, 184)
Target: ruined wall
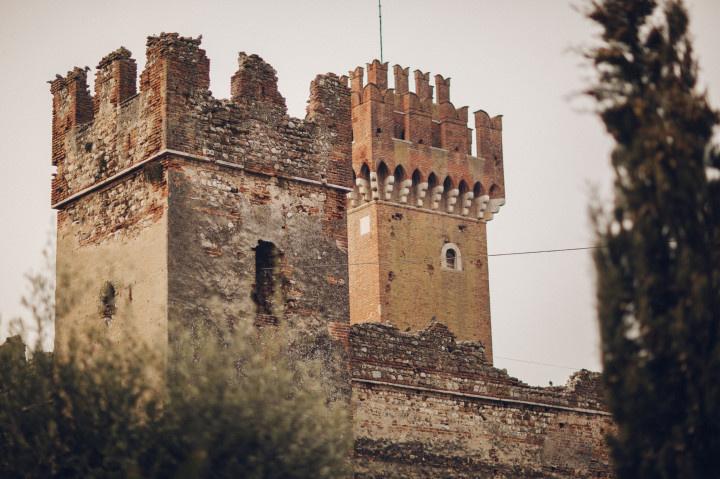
point(112, 267)
point(426, 405)
point(244, 176)
point(172, 191)
point(111, 233)
point(217, 218)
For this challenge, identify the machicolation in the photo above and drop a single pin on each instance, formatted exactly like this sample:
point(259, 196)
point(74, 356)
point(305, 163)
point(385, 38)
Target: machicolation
point(362, 228)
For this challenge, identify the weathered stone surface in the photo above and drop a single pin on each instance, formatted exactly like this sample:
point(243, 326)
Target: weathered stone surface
point(419, 194)
point(180, 213)
point(426, 405)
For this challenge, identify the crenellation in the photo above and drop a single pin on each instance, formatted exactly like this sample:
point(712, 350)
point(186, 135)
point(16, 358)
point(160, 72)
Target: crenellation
point(401, 76)
point(377, 74)
point(422, 86)
point(72, 106)
point(256, 82)
point(442, 87)
point(115, 80)
point(362, 227)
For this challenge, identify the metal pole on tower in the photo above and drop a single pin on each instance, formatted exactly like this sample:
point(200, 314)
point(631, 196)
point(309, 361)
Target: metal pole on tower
point(380, 18)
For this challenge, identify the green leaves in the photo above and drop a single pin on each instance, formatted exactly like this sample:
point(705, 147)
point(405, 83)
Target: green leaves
point(658, 283)
point(109, 415)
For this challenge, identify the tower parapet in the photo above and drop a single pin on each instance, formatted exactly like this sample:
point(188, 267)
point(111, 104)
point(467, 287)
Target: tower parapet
point(417, 213)
point(97, 137)
point(167, 193)
point(416, 150)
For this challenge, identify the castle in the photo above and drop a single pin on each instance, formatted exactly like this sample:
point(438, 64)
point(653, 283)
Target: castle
point(362, 227)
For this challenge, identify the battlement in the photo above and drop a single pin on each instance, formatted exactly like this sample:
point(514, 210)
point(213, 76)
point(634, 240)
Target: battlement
point(429, 405)
point(402, 100)
point(256, 81)
point(98, 136)
point(414, 147)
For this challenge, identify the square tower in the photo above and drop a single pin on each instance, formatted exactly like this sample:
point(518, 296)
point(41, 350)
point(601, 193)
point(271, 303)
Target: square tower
point(417, 242)
point(178, 211)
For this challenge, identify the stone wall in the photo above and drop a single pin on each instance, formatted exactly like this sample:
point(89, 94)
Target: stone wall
point(426, 405)
point(178, 211)
point(218, 216)
point(169, 192)
point(112, 265)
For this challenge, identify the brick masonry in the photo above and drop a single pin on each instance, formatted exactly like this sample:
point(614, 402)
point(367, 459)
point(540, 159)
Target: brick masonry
point(427, 405)
point(180, 213)
point(419, 191)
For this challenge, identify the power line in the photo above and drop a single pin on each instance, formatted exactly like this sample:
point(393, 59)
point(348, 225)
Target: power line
point(427, 258)
point(557, 250)
point(538, 363)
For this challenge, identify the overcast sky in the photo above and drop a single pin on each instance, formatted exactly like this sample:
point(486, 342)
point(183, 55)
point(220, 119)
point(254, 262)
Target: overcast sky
point(506, 57)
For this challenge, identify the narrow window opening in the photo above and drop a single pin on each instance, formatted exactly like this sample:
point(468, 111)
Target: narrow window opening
point(450, 258)
point(267, 293)
point(108, 306)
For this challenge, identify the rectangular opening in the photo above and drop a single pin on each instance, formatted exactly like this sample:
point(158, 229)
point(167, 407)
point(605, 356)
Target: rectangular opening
point(267, 293)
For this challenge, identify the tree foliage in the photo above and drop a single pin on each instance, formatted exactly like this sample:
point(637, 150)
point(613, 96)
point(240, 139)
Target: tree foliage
point(237, 409)
point(658, 267)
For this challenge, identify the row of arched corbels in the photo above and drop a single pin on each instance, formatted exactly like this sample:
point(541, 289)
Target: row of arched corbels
point(427, 192)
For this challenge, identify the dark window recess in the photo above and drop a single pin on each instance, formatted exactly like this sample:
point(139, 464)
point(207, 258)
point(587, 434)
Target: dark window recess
point(450, 258)
point(107, 302)
point(267, 293)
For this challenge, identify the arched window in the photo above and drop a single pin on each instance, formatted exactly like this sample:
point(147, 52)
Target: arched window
point(414, 192)
point(398, 191)
point(450, 257)
point(430, 196)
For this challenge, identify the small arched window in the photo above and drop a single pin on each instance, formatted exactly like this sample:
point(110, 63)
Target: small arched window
point(450, 257)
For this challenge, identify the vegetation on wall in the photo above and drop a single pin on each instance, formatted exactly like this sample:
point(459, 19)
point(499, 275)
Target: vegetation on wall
point(240, 409)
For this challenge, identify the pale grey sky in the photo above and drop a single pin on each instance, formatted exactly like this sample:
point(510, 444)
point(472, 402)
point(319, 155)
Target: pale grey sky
point(510, 57)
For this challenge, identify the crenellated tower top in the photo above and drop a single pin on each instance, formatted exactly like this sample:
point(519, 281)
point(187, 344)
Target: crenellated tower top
point(98, 136)
point(419, 141)
point(417, 242)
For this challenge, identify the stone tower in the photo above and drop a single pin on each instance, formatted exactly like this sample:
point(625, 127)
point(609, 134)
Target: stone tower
point(361, 227)
point(417, 242)
point(178, 211)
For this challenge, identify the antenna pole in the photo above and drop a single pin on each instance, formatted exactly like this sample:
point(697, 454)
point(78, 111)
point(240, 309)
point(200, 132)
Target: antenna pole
point(380, 18)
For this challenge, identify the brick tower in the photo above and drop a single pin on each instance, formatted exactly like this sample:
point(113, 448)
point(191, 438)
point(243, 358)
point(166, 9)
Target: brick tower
point(417, 242)
point(178, 211)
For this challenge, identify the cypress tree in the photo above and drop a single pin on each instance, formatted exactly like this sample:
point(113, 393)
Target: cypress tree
point(658, 264)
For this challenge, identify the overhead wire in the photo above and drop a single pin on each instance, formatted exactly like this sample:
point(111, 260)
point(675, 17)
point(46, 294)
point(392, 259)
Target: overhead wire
point(538, 363)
